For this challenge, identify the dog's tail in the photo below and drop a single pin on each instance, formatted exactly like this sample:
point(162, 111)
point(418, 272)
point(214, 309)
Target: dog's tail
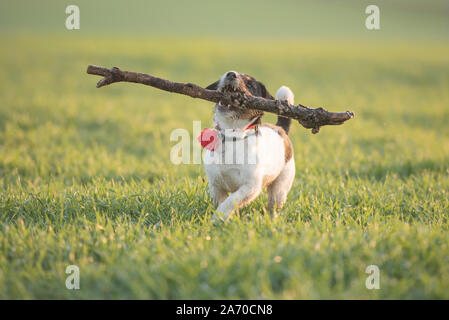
point(285, 94)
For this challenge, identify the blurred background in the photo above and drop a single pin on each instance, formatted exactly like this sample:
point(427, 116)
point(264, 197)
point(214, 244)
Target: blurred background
point(299, 20)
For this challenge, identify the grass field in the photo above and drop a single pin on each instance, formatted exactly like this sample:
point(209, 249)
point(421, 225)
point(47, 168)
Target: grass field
point(86, 177)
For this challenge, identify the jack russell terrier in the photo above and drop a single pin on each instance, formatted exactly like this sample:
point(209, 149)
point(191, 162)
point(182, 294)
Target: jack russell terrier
point(235, 183)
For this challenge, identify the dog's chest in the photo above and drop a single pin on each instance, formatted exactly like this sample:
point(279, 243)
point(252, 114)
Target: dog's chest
point(237, 164)
point(231, 177)
point(234, 164)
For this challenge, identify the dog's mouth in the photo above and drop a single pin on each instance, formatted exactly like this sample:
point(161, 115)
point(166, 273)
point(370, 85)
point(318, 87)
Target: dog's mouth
point(230, 86)
point(229, 111)
point(225, 108)
point(235, 113)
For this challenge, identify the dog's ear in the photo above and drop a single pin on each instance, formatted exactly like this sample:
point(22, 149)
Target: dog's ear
point(257, 88)
point(265, 92)
point(213, 86)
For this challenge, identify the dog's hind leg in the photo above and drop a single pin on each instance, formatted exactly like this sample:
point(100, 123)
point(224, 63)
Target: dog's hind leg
point(279, 188)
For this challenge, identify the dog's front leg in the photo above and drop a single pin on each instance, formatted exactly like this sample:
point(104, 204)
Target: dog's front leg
point(243, 196)
point(217, 193)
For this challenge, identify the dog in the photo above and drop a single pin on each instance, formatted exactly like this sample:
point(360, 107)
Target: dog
point(235, 185)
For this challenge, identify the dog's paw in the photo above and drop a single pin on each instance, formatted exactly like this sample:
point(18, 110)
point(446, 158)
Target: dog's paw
point(220, 217)
point(274, 215)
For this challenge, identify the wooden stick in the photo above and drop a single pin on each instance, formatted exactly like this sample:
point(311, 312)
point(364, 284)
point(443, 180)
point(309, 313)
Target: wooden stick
point(307, 117)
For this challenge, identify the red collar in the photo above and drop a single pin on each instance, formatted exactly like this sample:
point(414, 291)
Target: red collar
point(209, 137)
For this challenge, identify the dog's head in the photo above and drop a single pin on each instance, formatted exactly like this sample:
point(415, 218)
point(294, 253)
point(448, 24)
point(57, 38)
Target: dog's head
point(233, 81)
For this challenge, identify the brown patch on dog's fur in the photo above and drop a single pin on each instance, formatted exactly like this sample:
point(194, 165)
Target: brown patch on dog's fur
point(256, 88)
point(267, 180)
point(288, 148)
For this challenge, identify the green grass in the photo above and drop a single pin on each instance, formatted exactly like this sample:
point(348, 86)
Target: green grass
point(86, 177)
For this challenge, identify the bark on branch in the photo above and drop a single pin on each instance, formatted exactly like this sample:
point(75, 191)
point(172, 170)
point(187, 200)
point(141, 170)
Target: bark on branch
point(308, 117)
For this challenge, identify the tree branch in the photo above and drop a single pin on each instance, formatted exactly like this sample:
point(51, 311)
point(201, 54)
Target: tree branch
point(307, 117)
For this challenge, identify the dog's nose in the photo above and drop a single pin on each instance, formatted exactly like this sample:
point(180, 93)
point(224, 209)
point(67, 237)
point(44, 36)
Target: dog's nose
point(231, 75)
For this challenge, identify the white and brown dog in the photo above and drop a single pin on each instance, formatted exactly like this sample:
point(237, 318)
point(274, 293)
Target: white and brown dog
point(234, 184)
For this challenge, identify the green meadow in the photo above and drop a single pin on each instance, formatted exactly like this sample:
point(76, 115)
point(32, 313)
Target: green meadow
point(86, 177)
